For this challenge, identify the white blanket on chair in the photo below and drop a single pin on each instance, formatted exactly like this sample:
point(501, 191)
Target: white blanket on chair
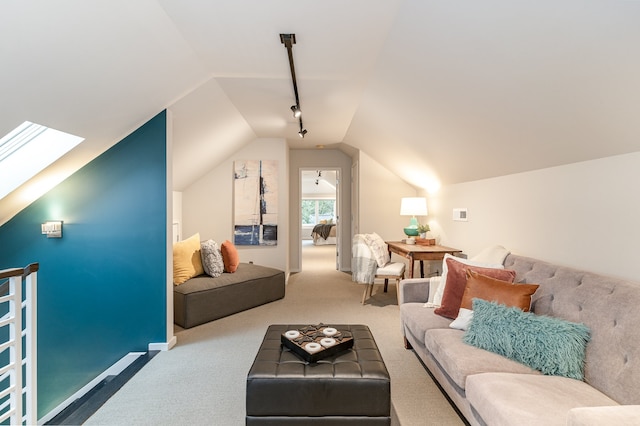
point(363, 263)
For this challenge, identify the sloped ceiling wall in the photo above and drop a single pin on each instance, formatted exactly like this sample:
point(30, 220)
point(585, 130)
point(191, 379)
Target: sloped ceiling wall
point(439, 92)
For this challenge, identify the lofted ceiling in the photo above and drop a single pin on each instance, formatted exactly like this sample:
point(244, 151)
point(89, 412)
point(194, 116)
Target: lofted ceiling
point(439, 91)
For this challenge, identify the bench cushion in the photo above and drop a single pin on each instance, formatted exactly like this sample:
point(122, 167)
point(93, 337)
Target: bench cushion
point(203, 298)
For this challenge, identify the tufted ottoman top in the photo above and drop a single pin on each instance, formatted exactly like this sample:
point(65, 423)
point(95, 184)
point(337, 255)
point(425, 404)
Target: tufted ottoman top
point(354, 382)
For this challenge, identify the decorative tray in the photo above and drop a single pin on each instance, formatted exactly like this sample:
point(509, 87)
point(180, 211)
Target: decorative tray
point(315, 342)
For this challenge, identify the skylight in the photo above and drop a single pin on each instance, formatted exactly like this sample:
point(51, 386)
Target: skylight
point(29, 149)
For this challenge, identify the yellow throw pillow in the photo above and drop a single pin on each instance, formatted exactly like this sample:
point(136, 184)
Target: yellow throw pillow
point(187, 262)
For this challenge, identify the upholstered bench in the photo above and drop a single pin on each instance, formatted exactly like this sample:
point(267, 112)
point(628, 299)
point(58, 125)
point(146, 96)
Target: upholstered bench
point(203, 298)
point(351, 387)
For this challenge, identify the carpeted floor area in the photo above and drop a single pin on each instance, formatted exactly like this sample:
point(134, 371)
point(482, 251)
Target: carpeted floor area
point(201, 381)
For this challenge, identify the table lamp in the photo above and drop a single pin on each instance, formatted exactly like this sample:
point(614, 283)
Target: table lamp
point(413, 206)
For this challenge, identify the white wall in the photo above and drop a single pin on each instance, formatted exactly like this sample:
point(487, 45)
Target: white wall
point(380, 195)
point(207, 205)
point(176, 226)
point(584, 215)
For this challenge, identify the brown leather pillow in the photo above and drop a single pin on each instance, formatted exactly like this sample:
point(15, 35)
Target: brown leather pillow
point(230, 256)
point(457, 282)
point(495, 290)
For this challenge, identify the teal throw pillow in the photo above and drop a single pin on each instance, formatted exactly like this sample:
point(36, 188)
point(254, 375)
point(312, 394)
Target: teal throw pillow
point(551, 345)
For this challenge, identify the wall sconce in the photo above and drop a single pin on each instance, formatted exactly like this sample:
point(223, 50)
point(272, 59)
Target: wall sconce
point(52, 229)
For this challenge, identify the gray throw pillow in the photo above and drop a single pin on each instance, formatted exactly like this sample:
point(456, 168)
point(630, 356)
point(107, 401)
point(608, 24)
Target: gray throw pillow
point(211, 258)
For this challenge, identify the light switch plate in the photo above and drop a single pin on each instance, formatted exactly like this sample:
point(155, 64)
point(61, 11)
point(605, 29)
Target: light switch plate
point(460, 214)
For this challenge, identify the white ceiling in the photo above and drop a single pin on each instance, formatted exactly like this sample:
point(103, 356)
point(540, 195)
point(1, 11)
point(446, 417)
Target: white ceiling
point(319, 183)
point(437, 91)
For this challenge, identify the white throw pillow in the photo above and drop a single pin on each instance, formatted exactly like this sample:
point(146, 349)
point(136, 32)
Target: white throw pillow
point(463, 320)
point(434, 284)
point(492, 254)
point(437, 298)
point(378, 247)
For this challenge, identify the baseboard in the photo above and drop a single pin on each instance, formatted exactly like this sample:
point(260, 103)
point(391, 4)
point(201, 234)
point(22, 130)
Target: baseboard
point(163, 346)
point(114, 370)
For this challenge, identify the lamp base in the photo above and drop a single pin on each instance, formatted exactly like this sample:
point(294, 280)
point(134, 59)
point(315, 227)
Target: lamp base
point(411, 232)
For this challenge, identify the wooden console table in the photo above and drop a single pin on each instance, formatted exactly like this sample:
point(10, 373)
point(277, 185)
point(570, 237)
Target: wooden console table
point(415, 252)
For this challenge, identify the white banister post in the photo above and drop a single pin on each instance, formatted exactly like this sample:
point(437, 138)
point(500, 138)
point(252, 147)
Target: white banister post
point(15, 335)
point(31, 356)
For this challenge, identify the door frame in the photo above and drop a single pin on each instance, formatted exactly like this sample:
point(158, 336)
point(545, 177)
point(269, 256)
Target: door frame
point(339, 220)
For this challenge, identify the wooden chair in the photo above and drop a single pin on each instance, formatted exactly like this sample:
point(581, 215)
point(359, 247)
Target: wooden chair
point(390, 271)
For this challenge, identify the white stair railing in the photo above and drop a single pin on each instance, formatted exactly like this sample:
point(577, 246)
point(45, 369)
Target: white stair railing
point(18, 337)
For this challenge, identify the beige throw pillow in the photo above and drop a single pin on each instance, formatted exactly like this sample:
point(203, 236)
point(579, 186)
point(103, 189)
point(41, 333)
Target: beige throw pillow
point(378, 247)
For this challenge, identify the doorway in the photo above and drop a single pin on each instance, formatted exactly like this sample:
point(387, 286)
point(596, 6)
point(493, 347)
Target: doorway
point(320, 217)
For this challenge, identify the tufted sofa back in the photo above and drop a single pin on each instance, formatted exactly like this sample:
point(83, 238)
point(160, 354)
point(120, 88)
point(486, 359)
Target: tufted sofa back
point(610, 307)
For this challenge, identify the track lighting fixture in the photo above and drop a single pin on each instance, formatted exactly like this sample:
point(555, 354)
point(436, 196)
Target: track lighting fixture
point(289, 40)
point(302, 131)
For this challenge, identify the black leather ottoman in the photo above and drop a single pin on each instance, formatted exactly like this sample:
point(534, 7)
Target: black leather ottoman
point(352, 387)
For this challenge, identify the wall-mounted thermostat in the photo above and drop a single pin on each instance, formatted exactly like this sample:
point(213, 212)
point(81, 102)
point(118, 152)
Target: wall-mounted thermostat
point(460, 214)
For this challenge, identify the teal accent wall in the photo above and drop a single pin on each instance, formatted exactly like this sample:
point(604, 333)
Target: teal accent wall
point(102, 286)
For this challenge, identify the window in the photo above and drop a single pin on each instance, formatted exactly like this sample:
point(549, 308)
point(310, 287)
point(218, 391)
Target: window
point(29, 149)
point(315, 210)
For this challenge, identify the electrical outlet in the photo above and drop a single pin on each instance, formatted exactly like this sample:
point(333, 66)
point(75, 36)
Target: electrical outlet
point(460, 214)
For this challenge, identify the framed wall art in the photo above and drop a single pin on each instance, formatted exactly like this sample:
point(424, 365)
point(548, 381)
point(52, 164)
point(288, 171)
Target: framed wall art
point(255, 189)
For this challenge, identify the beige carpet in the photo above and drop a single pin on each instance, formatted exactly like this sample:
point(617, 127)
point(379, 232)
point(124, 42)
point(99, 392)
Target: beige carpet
point(201, 381)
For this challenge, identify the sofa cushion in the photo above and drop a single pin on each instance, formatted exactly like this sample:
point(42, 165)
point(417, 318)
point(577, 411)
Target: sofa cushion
point(457, 282)
point(492, 254)
point(463, 320)
point(187, 262)
point(460, 360)
point(552, 345)
point(230, 256)
point(211, 258)
point(419, 319)
point(495, 290)
point(437, 297)
point(499, 398)
point(619, 415)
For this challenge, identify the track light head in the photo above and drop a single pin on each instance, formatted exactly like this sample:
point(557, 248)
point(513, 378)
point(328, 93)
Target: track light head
point(296, 111)
point(302, 132)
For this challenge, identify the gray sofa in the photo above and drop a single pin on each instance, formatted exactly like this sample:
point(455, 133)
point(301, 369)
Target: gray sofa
point(203, 298)
point(489, 389)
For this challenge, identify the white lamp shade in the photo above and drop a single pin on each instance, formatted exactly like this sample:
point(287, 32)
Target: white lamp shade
point(413, 206)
